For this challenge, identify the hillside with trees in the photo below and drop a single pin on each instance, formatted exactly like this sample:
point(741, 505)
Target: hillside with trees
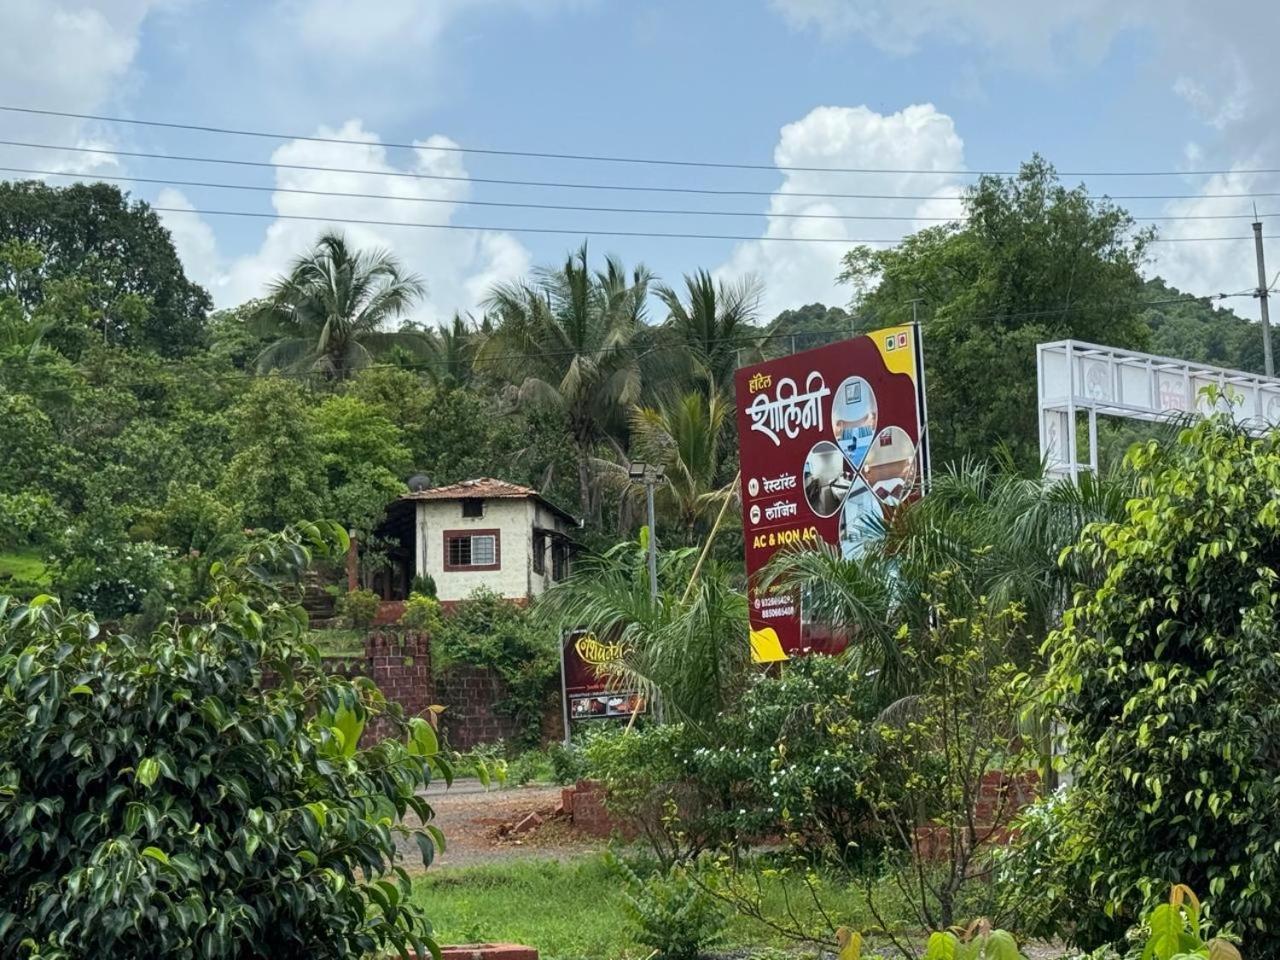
point(147, 433)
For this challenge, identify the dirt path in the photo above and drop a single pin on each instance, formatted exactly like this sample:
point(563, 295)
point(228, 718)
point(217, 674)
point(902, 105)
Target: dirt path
point(472, 818)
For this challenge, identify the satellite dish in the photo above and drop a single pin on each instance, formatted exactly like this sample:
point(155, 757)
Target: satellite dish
point(418, 482)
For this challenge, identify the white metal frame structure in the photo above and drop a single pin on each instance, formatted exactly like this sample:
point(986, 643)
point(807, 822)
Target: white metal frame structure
point(1074, 377)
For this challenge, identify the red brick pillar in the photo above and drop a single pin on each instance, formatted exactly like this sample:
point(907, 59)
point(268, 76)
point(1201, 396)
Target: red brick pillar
point(400, 665)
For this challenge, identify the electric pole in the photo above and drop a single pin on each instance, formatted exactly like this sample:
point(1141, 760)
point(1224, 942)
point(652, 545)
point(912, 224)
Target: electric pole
point(1262, 298)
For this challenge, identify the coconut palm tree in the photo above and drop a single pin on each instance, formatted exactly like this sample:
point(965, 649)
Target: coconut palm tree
point(329, 314)
point(685, 435)
point(711, 327)
point(565, 340)
point(451, 352)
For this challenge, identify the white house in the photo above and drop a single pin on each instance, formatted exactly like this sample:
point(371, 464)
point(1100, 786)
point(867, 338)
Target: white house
point(477, 533)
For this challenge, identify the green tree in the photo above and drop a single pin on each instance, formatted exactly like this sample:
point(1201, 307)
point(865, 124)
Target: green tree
point(329, 312)
point(1167, 679)
point(813, 325)
point(118, 254)
point(158, 798)
point(688, 647)
point(685, 435)
point(277, 475)
point(365, 460)
point(711, 328)
point(566, 340)
point(1034, 261)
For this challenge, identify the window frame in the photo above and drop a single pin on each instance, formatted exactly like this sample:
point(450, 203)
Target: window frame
point(478, 503)
point(539, 548)
point(450, 535)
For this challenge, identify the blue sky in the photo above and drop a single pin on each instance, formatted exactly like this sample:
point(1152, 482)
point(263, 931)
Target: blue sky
point(968, 84)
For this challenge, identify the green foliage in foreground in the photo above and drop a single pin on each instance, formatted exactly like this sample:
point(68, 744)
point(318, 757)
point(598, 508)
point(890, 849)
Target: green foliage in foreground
point(158, 800)
point(1167, 677)
point(573, 910)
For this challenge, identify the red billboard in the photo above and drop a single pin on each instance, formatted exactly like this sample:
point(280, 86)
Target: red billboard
point(830, 443)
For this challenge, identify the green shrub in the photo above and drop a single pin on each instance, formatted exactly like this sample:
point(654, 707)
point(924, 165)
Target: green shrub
point(647, 781)
point(568, 765)
point(421, 612)
point(424, 584)
point(97, 567)
point(1167, 677)
point(487, 631)
point(359, 607)
point(799, 753)
point(157, 801)
point(670, 913)
point(30, 519)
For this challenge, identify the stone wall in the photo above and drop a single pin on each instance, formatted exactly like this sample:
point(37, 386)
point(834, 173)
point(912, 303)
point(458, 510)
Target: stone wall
point(399, 662)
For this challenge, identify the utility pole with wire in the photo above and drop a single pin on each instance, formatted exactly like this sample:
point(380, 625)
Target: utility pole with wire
point(1261, 294)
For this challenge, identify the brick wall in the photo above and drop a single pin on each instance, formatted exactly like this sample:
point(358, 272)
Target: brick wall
point(468, 694)
point(399, 662)
point(1001, 798)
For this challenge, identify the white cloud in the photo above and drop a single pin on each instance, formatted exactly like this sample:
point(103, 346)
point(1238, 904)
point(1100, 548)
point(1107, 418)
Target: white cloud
point(458, 265)
point(1213, 57)
point(70, 56)
point(1032, 34)
point(918, 137)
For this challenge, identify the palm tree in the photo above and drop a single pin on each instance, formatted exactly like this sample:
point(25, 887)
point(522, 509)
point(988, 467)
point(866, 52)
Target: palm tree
point(983, 534)
point(684, 434)
point(565, 339)
point(712, 326)
point(688, 647)
point(330, 311)
point(451, 352)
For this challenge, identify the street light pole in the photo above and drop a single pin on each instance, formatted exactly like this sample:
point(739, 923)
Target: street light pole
point(649, 484)
point(650, 475)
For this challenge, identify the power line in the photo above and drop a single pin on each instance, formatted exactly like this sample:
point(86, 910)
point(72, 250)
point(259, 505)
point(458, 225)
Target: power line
point(605, 158)
point(661, 235)
point(557, 184)
point(256, 188)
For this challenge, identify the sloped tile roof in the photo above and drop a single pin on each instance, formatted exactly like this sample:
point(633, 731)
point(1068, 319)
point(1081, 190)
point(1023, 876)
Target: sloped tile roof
point(486, 488)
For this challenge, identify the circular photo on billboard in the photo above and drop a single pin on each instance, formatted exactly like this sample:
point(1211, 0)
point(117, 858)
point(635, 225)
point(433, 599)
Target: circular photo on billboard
point(890, 466)
point(827, 478)
point(861, 520)
point(853, 418)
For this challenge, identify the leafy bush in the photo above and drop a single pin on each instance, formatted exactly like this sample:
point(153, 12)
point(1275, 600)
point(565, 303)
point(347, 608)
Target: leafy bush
point(1168, 682)
point(421, 612)
point(97, 567)
point(28, 518)
point(649, 786)
point(487, 631)
point(802, 753)
point(670, 913)
point(359, 607)
point(424, 584)
point(158, 800)
point(568, 765)
point(1178, 932)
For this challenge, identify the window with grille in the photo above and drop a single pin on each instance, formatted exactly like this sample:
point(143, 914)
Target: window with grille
point(473, 507)
point(471, 551)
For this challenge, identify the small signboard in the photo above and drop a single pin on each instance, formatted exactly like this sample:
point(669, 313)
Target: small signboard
point(584, 662)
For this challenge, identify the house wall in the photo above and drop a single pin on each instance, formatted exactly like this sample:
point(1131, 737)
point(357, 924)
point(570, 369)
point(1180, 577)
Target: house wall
point(510, 517)
point(543, 519)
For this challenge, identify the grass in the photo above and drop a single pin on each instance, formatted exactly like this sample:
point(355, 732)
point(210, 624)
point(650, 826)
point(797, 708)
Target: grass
point(23, 565)
point(572, 910)
point(337, 642)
